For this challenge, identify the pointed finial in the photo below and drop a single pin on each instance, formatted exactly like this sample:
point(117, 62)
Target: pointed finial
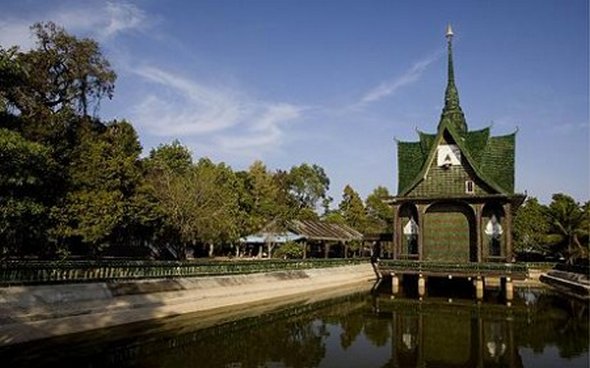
point(452, 110)
point(450, 33)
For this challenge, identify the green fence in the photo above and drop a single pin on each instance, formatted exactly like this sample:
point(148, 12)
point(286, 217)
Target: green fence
point(470, 268)
point(40, 272)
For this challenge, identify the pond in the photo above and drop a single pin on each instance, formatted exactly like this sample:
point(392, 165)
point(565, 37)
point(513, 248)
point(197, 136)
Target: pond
point(360, 329)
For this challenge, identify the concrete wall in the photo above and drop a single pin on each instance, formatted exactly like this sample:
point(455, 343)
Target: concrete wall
point(34, 312)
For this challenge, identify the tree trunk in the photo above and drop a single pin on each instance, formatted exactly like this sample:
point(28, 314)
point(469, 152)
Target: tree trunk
point(211, 250)
point(304, 244)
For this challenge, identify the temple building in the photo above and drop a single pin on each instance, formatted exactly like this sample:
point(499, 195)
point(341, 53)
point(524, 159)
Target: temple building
point(455, 199)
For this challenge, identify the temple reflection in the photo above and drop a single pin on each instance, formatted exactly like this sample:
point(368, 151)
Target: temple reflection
point(436, 333)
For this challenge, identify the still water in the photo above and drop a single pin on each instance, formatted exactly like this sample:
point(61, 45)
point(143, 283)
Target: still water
point(362, 329)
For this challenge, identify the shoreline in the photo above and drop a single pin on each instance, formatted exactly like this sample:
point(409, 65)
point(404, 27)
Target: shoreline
point(30, 313)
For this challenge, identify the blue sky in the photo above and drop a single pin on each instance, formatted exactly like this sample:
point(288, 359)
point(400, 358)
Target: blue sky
point(333, 82)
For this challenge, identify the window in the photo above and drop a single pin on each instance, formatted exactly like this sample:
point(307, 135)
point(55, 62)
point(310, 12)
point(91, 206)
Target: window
point(469, 187)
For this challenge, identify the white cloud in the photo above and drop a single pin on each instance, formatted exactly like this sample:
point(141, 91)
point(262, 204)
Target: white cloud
point(122, 17)
point(182, 107)
point(224, 119)
point(100, 20)
point(389, 87)
point(265, 133)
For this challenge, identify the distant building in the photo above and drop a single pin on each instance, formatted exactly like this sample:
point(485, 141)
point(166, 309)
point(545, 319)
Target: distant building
point(455, 199)
point(317, 238)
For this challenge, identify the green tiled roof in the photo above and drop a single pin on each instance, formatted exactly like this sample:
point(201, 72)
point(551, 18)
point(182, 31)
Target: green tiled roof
point(411, 158)
point(497, 161)
point(476, 142)
point(492, 158)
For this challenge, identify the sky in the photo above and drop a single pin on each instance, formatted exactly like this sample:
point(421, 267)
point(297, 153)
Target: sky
point(336, 82)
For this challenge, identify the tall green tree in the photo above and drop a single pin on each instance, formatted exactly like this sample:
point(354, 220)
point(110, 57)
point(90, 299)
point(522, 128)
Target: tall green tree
point(12, 76)
point(197, 205)
point(567, 224)
point(171, 156)
point(26, 174)
point(530, 228)
point(352, 209)
point(334, 216)
point(353, 212)
point(379, 212)
point(220, 226)
point(104, 178)
point(46, 96)
point(309, 185)
point(264, 206)
point(63, 72)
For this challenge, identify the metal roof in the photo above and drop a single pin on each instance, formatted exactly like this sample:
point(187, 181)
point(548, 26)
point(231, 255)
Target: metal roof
point(306, 229)
point(318, 230)
point(266, 237)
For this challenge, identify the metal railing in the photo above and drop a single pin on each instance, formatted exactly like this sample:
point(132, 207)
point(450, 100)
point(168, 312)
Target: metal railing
point(436, 267)
point(40, 272)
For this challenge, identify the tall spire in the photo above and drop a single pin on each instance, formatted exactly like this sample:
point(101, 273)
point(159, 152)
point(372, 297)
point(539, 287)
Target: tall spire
point(452, 110)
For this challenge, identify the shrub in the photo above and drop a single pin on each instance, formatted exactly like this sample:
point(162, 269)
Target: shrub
point(289, 250)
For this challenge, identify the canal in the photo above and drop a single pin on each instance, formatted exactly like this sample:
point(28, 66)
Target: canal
point(359, 329)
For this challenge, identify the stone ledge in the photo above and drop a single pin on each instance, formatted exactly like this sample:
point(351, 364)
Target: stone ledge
point(35, 312)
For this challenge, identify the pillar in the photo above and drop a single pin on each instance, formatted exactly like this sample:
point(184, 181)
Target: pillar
point(304, 244)
point(396, 232)
point(421, 285)
point(508, 231)
point(421, 213)
point(509, 289)
point(478, 228)
point(394, 283)
point(479, 288)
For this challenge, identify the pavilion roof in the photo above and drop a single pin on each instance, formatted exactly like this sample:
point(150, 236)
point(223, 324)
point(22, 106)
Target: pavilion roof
point(319, 230)
point(305, 229)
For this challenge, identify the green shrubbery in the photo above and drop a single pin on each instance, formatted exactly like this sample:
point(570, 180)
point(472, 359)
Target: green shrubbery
point(289, 250)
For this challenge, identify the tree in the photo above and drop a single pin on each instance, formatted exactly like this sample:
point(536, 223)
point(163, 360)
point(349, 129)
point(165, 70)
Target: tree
point(531, 227)
point(197, 205)
point(567, 223)
point(334, 217)
point(104, 178)
point(352, 209)
point(26, 174)
point(309, 186)
point(264, 193)
point(221, 225)
point(379, 212)
point(63, 72)
point(12, 76)
point(173, 156)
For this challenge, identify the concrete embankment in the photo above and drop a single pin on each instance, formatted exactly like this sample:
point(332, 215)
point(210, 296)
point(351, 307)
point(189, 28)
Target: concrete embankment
point(570, 283)
point(35, 312)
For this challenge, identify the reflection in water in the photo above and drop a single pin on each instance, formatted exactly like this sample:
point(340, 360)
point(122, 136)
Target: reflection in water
point(356, 330)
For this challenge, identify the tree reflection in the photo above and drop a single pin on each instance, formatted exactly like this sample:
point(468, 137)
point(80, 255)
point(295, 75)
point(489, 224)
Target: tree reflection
point(377, 329)
point(352, 326)
point(556, 321)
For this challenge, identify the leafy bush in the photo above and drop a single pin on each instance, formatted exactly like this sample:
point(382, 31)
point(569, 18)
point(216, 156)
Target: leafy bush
point(289, 250)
